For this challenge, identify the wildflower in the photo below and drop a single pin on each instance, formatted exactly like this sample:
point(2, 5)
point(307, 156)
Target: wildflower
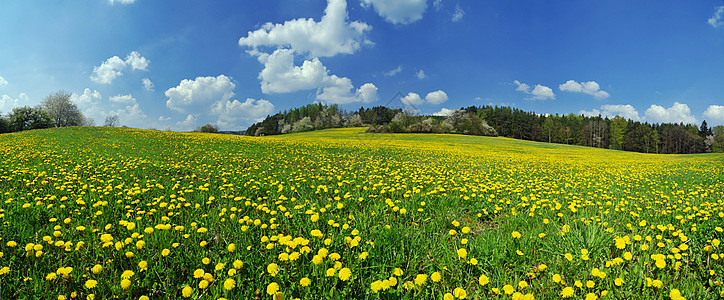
point(238, 264)
point(483, 280)
point(272, 288)
point(448, 296)
point(91, 284)
point(51, 276)
point(231, 247)
point(229, 284)
point(143, 265)
point(459, 293)
point(618, 282)
point(462, 253)
point(420, 279)
point(516, 235)
point(199, 273)
point(127, 274)
point(398, 272)
point(125, 284)
point(591, 296)
point(305, 281)
point(508, 289)
point(567, 292)
point(272, 269)
point(187, 291)
point(344, 274)
point(330, 272)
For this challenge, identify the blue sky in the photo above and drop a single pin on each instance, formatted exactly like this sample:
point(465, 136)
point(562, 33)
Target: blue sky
point(180, 64)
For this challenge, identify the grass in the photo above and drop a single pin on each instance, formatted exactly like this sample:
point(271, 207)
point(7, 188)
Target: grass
point(139, 213)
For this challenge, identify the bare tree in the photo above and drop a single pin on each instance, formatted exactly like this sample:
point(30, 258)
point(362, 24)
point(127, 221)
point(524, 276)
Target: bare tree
point(111, 121)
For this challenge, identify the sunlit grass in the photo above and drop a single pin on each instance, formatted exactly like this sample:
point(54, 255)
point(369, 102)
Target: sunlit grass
point(345, 214)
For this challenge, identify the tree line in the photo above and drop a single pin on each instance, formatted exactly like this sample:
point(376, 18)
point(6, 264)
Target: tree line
point(56, 110)
point(594, 131)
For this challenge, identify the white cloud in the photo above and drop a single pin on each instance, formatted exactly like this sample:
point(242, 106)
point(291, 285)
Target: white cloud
point(147, 84)
point(7, 103)
point(421, 75)
point(163, 119)
point(367, 93)
point(123, 99)
point(331, 36)
point(280, 75)
point(411, 99)
point(108, 70)
point(210, 97)
point(232, 114)
point(436, 97)
point(714, 114)
point(677, 113)
point(131, 115)
point(398, 11)
point(444, 112)
point(717, 20)
point(388, 73)
point(87, 98)
point(458, 14)
point(591, 88)
point(192, 95)
point(113, 67)
point(137, 61)
point(627, 111)
point(112, 2)
point(187, 124)
point(3, 81)
point(539, 92)
point(522, 87)
point(610, 110)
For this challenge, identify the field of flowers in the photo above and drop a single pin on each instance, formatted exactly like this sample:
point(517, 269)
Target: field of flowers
point(100, 213)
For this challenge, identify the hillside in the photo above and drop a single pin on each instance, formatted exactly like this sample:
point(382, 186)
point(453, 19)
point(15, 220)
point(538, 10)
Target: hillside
point(342, 214)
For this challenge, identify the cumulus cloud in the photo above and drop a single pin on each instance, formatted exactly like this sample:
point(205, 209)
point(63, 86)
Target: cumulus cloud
point(717, 20)
point(388, 73)
point(421, 75)
point(458, 14)
point(192, 95)
point(330, 36)
point(232, 114)
point(539, 92)
point(211, 97)
point(113, 67)
point(3, 81)
point(715, 114)
point(444, 112)
point(7, 103)
point(677, 113)
point(123, 99)
point(591, 88)
point(610, 110)
point(398, 11)
point(87, 98)
point(187, 124)
point(436, 97)
point(147, 84)
point(411, 99)
point(280, 75)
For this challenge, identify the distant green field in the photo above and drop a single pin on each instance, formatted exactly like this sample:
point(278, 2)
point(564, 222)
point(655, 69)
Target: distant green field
point(92, 212)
